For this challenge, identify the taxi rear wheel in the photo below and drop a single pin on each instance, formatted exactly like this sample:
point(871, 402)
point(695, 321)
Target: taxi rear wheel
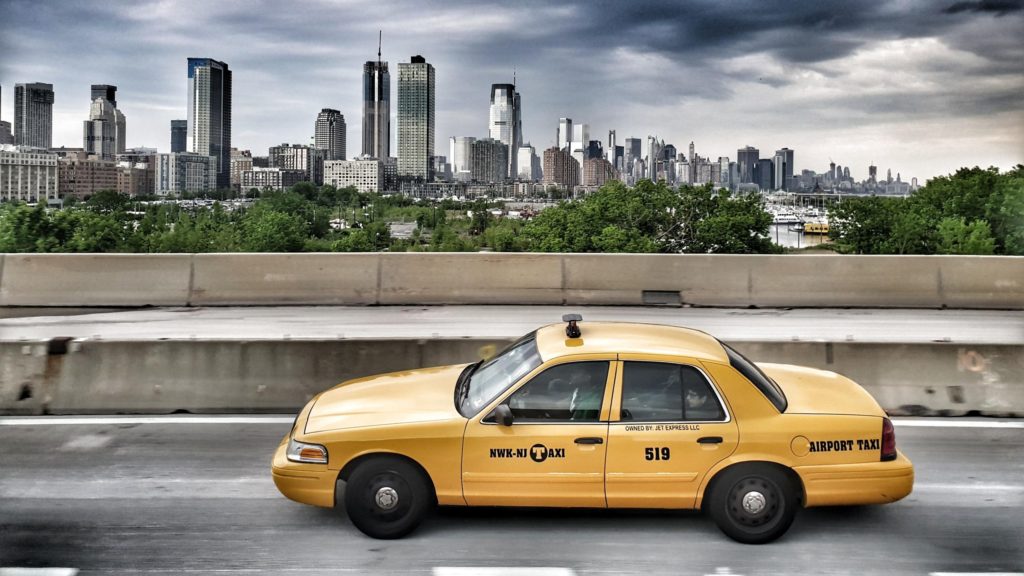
point(387, 497)
point(753, 504)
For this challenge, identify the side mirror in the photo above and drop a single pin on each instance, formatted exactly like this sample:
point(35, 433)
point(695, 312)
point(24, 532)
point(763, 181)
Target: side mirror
point(503, 415)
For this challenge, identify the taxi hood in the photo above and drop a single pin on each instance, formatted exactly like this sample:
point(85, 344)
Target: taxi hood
point(424, 395)
point(812, 391)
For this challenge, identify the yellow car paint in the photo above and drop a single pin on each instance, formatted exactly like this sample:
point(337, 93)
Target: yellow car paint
point(828, 438)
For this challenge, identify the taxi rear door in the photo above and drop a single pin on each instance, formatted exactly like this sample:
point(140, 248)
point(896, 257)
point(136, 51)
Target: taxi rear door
point(553, 453)
point(669, 426)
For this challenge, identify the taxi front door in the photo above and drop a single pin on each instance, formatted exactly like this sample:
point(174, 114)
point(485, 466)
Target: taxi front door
point(669, 426)
point(553, 454)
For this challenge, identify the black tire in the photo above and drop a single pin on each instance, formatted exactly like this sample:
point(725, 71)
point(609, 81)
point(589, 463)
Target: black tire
point(405, 497)
point(771, 503)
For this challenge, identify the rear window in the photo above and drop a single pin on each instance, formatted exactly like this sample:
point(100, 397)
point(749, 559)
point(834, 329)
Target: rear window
point(751, 372)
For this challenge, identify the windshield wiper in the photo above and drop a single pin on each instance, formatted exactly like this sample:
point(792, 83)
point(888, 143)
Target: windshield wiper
point(462, 384)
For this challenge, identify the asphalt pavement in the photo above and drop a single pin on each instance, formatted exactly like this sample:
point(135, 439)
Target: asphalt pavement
point(193, 495)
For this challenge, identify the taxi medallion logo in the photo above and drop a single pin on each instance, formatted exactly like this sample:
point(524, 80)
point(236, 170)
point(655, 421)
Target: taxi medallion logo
point(538, 453)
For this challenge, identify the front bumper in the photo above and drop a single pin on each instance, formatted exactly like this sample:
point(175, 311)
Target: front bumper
point(865, 483)
point(306, 483)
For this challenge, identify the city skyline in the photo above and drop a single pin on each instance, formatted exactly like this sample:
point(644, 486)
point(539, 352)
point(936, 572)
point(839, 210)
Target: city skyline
point(921, 88)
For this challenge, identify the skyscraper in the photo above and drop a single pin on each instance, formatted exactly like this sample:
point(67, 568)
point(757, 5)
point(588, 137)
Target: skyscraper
point(6, 137)
point(489, 160)
point(416, 119)
point(528, 163)
point(505, 122)
point(461, 156)
point(376, 109)
point(209, 115)
point(783, 168)
point(103, 134)
point(330, 133)
point(560, 169)
point(633, 152)
point(723, 172)
point(580, 137)
point(33, 115)
point(105, 91)
point(179, 135)
point(764, 174)
point(564, 133)
point(746, 160)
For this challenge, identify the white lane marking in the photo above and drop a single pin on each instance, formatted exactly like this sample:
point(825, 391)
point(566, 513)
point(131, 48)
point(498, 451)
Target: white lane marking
point(127, 488)
point(484, 571)
point(980, 486)
point(976, 573)
point(276, 419)
point(86, 443)
point(950, 423)
point(120, 420)
point(253, 571)
point(722, 571)
point(38, 571)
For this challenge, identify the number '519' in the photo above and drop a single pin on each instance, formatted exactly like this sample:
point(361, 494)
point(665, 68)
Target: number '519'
point(662, 453)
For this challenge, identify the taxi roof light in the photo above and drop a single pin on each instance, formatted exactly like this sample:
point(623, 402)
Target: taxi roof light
point(572, 330)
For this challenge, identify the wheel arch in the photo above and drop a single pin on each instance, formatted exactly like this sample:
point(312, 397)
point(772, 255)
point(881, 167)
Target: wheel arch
point(712, 477)
point(352, 464)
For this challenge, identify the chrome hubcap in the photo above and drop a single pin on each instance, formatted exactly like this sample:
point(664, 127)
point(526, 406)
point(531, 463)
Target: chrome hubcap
point(753, 502)
point(387, 498)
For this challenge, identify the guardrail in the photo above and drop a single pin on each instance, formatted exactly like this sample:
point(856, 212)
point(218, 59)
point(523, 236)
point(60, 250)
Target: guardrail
point(992, 282)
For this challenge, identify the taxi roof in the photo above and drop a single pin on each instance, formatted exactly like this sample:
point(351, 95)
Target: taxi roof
point(629, 338)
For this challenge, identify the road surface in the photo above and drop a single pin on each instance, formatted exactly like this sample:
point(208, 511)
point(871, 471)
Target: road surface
point(193, 495)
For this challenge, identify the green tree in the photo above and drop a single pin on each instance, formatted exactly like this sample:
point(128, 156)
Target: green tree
point(653, 218)
point(958, 237)
point(959, 213)
point(26, 229)
point(107, 201)
point(97, 232)
point(710, 221)
point(273, 231)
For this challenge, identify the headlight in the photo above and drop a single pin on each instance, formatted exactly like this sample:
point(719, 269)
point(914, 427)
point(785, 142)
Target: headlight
point(308, 453)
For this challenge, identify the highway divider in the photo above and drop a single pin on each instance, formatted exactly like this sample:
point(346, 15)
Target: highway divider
point(125, 280)
point(64, 376)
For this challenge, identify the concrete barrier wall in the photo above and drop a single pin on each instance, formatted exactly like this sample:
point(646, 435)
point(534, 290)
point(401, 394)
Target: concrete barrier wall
point(471, 278)
point(994, 282)
point(95, 280)
point(280, 376)
point(276, 279)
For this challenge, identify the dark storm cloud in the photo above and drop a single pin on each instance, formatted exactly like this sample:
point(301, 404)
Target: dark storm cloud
point(998, 7)
point(700, 69)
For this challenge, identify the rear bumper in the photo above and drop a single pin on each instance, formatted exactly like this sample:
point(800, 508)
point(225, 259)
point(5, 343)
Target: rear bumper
point(305, 483)
point(866, 483)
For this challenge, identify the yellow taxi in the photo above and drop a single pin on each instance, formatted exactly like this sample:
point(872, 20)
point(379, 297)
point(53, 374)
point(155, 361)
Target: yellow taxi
point(596, 415)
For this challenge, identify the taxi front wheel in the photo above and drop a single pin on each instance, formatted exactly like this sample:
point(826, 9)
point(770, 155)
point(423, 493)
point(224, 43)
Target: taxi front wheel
point(753, 504)
point(387, 497)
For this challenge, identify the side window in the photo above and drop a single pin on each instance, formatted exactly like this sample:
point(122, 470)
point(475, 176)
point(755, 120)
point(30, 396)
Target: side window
point(656, 392)
point(567, 392)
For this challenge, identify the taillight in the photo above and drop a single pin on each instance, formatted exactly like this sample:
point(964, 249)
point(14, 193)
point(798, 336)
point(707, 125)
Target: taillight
point(888, 441)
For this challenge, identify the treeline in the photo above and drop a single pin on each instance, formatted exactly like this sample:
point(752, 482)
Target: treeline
point(973, 211)
point(648, 217)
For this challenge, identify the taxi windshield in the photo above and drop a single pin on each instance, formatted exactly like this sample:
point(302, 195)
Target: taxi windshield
point(497, 374)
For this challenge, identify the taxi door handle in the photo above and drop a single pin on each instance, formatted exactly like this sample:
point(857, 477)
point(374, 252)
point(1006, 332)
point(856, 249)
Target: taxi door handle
point(590, 440)
point(710, 440)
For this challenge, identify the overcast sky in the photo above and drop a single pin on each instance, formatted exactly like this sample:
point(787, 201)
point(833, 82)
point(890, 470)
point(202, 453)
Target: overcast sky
point(921, 87)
